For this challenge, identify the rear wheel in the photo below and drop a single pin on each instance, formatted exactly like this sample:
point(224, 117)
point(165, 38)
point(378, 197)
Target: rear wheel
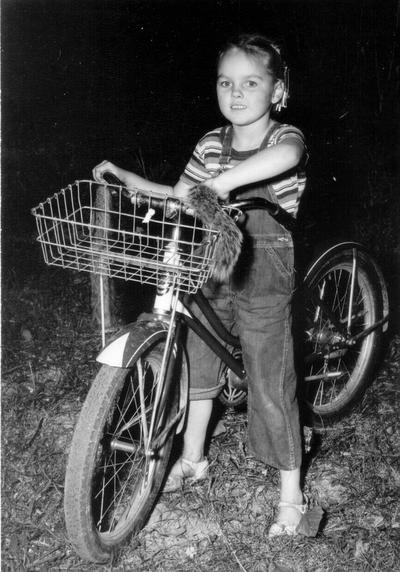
point(115, 469)
point(343, 299)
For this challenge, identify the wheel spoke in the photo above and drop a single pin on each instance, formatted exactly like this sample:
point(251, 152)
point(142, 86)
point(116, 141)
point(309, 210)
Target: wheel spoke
point(127, 406)
point(117, 494)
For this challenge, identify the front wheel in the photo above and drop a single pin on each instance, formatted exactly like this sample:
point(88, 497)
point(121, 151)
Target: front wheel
point(344, 308)
point(119, 453)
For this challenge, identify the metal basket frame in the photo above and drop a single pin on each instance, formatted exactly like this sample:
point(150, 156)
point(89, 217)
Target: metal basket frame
point(110, 231)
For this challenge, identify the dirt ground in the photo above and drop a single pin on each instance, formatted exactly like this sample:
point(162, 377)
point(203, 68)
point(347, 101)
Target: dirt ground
point(352, 471)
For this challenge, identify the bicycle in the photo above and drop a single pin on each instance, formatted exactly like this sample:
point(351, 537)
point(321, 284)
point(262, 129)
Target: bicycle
point(137, 402)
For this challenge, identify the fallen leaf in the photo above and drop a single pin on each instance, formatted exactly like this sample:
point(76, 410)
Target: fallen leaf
point(310, 522)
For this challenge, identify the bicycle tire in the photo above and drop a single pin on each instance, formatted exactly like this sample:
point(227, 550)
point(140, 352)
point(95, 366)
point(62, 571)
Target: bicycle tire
point(335, 379)
point(109, 491)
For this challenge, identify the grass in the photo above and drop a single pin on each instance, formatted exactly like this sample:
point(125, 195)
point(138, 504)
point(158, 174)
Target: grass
point(353, 470)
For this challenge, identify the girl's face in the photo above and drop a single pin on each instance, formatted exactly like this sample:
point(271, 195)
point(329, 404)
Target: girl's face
point(245, 89)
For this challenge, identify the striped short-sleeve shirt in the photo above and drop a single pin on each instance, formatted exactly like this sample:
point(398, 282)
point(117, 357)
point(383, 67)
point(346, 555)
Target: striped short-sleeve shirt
point(204, 164)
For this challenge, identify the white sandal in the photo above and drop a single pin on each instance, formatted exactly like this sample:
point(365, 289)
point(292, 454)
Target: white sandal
point(283, 528)
point(185, 471)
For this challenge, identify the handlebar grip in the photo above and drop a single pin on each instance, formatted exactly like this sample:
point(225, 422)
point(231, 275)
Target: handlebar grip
point(111, 179)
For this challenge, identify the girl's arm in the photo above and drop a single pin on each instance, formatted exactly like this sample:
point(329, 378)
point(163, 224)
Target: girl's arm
point(132, 181)
point(265, 164)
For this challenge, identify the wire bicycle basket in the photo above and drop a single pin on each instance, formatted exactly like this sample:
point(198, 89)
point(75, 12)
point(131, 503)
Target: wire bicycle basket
point(110, 231)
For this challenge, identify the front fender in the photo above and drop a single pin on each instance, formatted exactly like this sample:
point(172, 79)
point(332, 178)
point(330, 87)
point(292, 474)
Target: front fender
point(123, 350)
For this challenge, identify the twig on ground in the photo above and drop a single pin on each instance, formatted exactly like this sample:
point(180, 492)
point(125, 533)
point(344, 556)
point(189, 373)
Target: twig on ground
point(54, 554)
point(35, 433)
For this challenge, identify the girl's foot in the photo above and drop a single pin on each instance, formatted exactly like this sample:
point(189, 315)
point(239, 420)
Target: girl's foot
point(288, 519)
point(185, 470)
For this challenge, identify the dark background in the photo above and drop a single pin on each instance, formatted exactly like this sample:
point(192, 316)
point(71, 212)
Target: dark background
point(133, 81)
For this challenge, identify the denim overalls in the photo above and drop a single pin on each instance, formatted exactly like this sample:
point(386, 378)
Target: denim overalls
point(256, 304)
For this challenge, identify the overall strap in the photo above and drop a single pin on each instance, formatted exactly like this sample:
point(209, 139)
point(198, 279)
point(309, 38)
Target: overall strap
point(268, 187)
point(269, 134)
point(226, 138)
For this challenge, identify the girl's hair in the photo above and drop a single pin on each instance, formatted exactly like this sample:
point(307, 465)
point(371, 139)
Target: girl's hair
point(259, 46)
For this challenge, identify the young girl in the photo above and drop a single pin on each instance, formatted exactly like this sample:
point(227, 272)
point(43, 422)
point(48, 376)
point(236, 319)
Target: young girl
point(253, 155)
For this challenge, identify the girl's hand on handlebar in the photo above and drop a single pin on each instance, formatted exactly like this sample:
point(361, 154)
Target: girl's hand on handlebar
point(216, 184)
point(104, 167)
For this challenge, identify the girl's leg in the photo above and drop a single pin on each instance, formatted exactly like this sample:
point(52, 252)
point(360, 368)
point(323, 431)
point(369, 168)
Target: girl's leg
point(205, 385)
point(291, 505)
point(198, 418)
point(192, 464)
point(264, 318)
point(205, 381)
point(290, 487)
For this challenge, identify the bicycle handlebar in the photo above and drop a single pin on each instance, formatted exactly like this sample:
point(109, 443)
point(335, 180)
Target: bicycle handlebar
point(141, 199)
point(175, 205)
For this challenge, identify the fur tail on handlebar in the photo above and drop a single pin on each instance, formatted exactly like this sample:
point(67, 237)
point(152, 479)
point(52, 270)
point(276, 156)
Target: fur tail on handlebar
point(204, 202)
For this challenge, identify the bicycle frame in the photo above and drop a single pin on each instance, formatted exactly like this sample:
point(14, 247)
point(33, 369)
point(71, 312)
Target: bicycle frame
point(171, 310)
